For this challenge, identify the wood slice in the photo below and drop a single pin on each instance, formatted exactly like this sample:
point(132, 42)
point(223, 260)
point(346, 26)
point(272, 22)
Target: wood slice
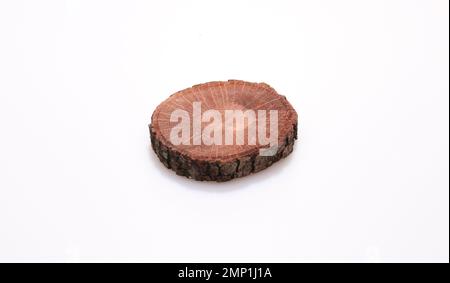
point(221, 162)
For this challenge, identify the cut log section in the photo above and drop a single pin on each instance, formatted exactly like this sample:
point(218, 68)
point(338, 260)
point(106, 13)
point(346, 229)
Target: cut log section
point(192, 155)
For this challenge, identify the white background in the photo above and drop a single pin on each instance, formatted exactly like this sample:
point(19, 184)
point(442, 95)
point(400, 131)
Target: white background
point(368, 180)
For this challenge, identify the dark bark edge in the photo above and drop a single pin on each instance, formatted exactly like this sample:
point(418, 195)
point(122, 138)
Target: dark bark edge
point(218, 171)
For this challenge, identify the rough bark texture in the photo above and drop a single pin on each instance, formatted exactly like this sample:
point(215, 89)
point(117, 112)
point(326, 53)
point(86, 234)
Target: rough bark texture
point(228, 162)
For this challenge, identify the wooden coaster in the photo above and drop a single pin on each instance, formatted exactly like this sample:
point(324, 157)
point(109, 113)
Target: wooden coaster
point(219, 131)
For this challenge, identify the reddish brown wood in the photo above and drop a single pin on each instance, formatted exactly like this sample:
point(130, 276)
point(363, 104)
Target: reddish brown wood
point(221, 162)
